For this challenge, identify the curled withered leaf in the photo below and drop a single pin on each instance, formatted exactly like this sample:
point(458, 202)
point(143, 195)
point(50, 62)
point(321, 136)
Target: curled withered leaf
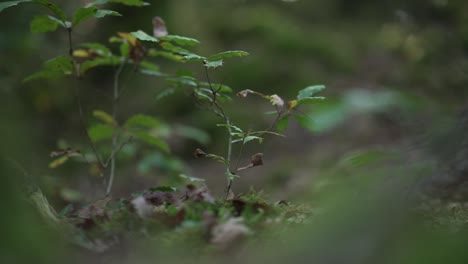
point(257, 159)
point(199, 194)
point(276, 100)
point(159, 27)
point(198, 153)
point(244, 93)
point(69, 152)
point(291, 104)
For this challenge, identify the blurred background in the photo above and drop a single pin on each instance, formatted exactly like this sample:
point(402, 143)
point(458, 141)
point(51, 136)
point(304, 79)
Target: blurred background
point(394, 121)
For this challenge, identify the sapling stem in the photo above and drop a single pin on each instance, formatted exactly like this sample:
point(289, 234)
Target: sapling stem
point(114, 135)
point(229, 130)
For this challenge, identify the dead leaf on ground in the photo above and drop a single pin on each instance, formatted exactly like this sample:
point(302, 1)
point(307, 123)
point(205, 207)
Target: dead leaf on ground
point(227, 234)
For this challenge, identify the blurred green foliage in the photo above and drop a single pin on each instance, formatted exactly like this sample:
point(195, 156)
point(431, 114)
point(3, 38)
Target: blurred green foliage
point(396, 71)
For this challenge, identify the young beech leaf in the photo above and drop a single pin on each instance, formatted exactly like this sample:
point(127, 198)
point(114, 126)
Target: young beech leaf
point(309, 91)
point(102, 13)
point(82, 14)
point(104, 117)
point(282, 124)
point(179, 40)
point(41, 24)
point(159, 27)
point(228, 54)
point(141, 120)
point(166, 54)
point(172, 48)
point(213, 64)
point(100, 132)
point(130, 2)
point(97, 48)
point(54, 68)
point(152, 140)
point(193, 57)
point(141, 35)
point(52, 7)
point(190, 178)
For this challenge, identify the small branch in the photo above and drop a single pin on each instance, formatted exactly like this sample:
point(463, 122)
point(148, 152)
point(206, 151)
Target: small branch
point(113, 154)
point(222, 114)
point(240, 152)
point(85, 130)
point(114, 135)
point(70, 43)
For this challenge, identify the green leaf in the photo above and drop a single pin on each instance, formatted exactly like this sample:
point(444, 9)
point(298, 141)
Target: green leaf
point(248, 139)
point(193, 133)
point(54, 8)
point(165, 54)
point(82, 14)
point(58, 161)
point(261, 132)
point(183, 81)
point(41, 24)
point(153, 140)
point(104, 117)
point(193, 57)
point(309, 91)
point(228, 54)
point(60, 63)
point(98, 2)
point(213, 64)
point(100, 132)
point(55, 68)
point(309, 100)
point(179, 40)
point(7, 4)
point(191, 179)
point(130, 2)
point(152, 73)
point(165, 93)
point(141, 120)
point(365, 157)
point(217, 87)
point(98, 48)
point(232, 127)
point(102, 13)
point(149, 66)
point(282, 124)
point(141, 35)
point(172, 48)
point(217, 158)
point(43, 75)
point(109, 61)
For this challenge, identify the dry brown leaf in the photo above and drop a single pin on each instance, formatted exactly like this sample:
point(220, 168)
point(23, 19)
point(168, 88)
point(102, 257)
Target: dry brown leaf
point(226, 234)
point(159, 27)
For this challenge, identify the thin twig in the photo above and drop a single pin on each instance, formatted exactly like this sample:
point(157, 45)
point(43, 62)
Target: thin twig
point(114, 135)
point(240, 151)
point(116, 151)
point(229, 129)
point(70, 43)
point(85, 130)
